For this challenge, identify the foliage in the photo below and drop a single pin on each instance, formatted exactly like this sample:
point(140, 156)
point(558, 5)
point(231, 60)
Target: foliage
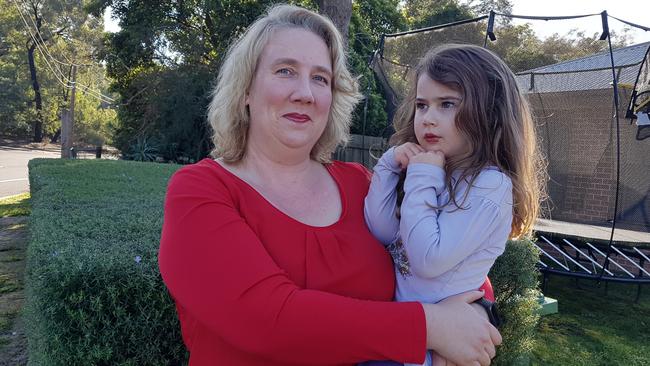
point(514, 278)
point(94, 293)
point(597, 324)
point(17, 205)
point(523, 50)
point(427, 13)
point(14, 76)
point(142, 150)
point(170, 114)
point(69, 35)
point(370, 19)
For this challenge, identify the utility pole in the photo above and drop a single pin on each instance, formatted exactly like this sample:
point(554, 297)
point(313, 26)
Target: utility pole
point(68, 120)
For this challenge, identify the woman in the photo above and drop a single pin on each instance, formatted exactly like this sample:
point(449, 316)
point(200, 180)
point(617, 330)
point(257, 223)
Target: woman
point(265, 250)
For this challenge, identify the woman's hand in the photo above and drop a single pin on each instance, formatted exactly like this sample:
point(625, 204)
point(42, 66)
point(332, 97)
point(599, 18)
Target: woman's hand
point(458, 332)
point(436, 158)
point(403, 153)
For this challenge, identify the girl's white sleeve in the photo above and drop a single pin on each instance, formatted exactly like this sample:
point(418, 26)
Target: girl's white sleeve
point(380, 204)
point(437, 240)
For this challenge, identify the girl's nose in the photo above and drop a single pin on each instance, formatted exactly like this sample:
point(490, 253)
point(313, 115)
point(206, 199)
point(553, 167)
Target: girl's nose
point(429, 120)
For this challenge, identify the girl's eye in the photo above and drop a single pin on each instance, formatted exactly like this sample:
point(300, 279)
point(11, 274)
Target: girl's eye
point(321, 79)
point(448, 105)
point(420, 105)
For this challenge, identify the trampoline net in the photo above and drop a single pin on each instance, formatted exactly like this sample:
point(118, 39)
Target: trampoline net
point(573, 105)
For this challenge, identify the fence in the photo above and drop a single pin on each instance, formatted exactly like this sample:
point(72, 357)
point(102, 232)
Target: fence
point(362, 149)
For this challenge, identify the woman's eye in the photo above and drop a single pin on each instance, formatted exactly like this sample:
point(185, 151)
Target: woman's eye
point(321, 79)
point(284, 71)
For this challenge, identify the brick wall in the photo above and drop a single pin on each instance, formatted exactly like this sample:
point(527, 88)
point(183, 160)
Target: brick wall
point(578, 137)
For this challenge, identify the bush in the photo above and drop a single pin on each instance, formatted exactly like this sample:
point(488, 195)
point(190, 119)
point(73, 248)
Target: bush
point(94, 292)
point(514, 279)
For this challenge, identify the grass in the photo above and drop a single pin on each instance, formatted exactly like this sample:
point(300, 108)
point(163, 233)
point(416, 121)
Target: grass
point(13, 244)
point(596, 325)
point(17, 205)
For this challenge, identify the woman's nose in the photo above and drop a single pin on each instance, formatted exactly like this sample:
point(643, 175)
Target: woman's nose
point(302, 92)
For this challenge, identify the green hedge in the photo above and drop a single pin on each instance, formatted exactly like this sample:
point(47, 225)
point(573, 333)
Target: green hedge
point(94, 293)
point(515, 283)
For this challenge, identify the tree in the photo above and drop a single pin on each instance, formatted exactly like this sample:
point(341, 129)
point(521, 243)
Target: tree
point(427, 13)
point(36, 51)
point(483, 7)
point(339, 11)
point(370, 19)
point(50, 20)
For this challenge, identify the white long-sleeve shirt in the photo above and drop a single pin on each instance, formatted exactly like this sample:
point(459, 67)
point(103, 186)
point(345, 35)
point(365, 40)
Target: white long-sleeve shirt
point(444, 251)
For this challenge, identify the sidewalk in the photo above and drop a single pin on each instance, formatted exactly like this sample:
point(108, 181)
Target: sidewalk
point(13, 244)
point(15, 144)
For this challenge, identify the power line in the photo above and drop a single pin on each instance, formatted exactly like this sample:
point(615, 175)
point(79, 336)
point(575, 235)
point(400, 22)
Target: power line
point(70, 63)
point(67, 83)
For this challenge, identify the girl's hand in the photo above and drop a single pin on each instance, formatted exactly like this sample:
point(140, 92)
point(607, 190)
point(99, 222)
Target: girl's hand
point(403, 153)
point(458, 333)
point(436, 158)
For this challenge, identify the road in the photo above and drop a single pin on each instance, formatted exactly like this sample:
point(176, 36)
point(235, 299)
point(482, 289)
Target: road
point(13, 168)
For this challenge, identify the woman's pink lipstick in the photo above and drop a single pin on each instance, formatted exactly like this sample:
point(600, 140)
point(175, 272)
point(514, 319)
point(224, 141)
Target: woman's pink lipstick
point(297, 117)
point(431, 138)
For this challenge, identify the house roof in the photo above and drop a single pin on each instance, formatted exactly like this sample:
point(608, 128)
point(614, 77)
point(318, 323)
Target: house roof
point(585, 73)
point(625, 56)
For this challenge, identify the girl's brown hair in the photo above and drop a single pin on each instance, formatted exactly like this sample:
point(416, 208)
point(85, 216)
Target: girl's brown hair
point(495, 119)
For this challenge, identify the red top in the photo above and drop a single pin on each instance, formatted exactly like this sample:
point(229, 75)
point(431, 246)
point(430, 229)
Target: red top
point(255, 287)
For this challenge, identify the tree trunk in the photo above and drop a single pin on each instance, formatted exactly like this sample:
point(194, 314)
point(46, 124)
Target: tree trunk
point(38, 123)
point(340, 11)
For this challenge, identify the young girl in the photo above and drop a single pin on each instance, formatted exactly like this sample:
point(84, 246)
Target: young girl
point(461, 178)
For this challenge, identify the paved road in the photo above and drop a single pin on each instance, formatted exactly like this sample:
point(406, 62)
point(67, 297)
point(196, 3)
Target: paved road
point(13, 168)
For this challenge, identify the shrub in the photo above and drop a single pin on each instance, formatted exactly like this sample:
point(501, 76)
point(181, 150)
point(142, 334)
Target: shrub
point(514, 279)
point(94, 292)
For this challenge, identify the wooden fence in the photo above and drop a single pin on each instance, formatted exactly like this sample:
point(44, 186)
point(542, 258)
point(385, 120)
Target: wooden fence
point(362, 149)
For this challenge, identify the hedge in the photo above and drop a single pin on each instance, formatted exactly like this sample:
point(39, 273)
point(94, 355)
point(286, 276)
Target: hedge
point(94, 292)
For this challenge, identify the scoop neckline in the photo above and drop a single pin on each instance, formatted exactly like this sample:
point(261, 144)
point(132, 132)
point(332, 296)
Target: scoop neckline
point(342, 197)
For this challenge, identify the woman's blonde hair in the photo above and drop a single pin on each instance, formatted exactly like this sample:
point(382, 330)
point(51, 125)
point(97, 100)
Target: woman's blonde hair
point(493, 116)
point(228, 114)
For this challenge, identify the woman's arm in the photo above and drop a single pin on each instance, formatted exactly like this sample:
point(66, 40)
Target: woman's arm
point(465, 336)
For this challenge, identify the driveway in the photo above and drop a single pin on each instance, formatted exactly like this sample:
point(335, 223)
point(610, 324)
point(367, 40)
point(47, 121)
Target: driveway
point(13, 165)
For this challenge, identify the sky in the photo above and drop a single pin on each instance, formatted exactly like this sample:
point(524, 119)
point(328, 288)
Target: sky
point(635, 11)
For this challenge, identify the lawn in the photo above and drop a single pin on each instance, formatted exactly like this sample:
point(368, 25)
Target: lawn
point(596, 325)
point(17, 205)
point(13, 244)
